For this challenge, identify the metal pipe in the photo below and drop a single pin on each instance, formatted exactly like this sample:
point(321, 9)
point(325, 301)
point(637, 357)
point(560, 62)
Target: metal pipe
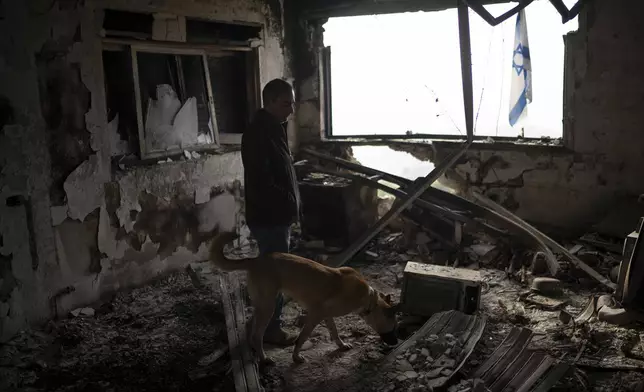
point(547, 240)
point(466, 69)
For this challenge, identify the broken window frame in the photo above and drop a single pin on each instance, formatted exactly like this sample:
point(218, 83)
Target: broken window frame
point(324, 74)
point(253, 89)
point(162, 49)
point(326, 116)
point(253, 86)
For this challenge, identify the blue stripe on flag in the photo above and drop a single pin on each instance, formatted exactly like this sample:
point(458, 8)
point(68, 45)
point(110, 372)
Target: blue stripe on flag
point(518, 108)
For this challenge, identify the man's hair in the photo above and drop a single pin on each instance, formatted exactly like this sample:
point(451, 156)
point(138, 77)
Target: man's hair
point(275, 89)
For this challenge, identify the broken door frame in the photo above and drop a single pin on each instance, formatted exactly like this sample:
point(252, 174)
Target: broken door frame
point(160, 49)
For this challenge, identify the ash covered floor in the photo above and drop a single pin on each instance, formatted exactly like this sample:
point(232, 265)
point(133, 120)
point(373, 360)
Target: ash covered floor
point(148, 339)
point(171, 336)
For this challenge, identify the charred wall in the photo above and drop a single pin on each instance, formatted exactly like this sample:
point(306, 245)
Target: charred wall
point(76, 221)
point(565, 186)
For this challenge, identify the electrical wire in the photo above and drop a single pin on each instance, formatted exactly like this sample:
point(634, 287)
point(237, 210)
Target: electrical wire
point(487, 66)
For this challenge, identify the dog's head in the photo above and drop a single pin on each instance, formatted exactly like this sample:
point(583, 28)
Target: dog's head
point(380, 315)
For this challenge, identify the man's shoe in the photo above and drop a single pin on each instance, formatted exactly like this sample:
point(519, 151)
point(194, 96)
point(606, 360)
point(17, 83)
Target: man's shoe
point(279, 337)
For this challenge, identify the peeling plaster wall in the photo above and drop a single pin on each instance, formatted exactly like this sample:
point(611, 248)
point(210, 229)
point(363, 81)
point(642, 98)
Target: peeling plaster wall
point(561, 187)
point(74, 227)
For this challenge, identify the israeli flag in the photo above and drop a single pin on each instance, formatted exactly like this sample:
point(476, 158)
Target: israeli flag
point(521, 82)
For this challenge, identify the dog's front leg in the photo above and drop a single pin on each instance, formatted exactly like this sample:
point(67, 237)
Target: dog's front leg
point(333, 331)
point(260, 320)
point(309, 325)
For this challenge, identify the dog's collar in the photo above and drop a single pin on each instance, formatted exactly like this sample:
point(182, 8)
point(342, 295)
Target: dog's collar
point(373, 302)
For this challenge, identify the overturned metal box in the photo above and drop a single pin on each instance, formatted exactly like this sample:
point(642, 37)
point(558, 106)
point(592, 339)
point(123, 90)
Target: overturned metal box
point(428, 289)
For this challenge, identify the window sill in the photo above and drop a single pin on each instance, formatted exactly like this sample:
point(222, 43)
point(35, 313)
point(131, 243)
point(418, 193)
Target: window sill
point(523, 145)
point(125, 162)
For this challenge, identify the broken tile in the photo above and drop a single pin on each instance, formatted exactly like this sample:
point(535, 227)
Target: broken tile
point(437, 382)
point(213, 357)
point(403, 366)
point(410, 374)
point(434, 372)
point(371, 254)
point(83, 312)
point(445, 362)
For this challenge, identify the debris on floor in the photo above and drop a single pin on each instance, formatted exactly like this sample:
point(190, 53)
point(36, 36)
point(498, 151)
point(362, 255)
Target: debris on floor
point(436, 352)
point(491, 304)
point(153, 338)
point(513, 366)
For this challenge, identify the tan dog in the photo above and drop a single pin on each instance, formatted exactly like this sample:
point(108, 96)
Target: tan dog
point(325, 292)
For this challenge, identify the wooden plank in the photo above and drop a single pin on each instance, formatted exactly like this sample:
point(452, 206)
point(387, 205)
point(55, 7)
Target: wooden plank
point(234, 343)
point(248, 360)
point(244, 366)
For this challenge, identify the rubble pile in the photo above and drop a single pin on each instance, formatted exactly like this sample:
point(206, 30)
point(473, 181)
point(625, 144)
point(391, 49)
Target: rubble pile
point(427, 365)
point(164, 336)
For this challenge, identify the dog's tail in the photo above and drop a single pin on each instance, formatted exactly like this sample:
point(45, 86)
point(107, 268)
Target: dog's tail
point(217, 253)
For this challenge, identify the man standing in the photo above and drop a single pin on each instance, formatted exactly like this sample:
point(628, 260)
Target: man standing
point(271, 191)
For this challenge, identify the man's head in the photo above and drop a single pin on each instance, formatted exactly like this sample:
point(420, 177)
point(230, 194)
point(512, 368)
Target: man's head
point(278, 99)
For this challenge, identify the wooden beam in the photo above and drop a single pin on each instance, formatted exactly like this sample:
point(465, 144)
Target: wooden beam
point(243, 362)
point(244, 367)
point(320, 9)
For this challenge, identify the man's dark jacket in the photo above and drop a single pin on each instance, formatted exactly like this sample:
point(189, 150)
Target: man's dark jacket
point(270, 183)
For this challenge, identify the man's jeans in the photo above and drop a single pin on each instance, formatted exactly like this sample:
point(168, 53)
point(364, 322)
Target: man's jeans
point(273, 239)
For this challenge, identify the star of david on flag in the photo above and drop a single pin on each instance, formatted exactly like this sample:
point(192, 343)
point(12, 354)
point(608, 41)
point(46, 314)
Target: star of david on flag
point(521, 83)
